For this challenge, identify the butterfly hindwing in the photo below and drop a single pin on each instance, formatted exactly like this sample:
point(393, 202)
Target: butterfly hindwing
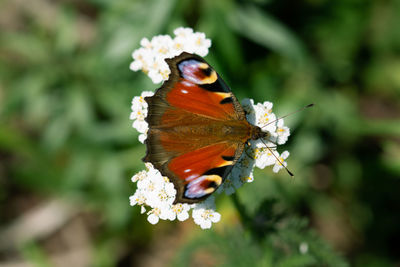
point(197, 128)
point(203, 170)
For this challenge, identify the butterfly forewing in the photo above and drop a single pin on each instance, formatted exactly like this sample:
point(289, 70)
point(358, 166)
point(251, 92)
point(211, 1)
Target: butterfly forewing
point(197, 128)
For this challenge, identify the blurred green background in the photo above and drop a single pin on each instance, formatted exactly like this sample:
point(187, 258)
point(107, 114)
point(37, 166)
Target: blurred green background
point(67, 149)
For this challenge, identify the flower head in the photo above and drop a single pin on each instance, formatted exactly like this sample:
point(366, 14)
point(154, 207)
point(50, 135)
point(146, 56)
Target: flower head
point(139, 114)
point(204, 214)
point(279, 164)
point(150, 57)
point(155, 193)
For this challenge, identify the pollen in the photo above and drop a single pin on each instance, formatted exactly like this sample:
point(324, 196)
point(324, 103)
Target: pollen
point(207, 214)
point(155, 65)
point(162, 50)
point(199, 41)
point(178, 208)
point(165, 74)
point(178, 46)
point(155, 211)
point(140, 200)
point(151, 186)
point(163, 195)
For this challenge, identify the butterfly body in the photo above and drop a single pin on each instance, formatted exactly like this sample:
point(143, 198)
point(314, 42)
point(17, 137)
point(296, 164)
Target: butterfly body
point(197, 129)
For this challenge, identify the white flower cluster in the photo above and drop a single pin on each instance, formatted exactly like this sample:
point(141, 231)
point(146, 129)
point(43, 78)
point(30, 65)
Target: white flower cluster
point(139, 114)
point(155, 194)
point(150, 57)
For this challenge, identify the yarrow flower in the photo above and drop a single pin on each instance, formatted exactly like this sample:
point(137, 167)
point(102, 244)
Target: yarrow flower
point(139, 113)
point(155, 194)
point(150, 57)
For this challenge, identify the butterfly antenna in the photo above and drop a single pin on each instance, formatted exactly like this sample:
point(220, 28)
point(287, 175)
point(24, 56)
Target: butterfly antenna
point(291, 113)
point(289, 172)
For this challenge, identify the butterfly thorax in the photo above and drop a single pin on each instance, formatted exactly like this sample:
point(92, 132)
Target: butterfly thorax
point(213, 130)
point(225, 131)
point(257, 133)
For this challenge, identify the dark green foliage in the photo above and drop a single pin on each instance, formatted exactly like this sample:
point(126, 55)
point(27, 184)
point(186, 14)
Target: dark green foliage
point(275, 240)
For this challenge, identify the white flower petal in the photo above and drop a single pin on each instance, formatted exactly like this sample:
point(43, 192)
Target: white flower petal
point(276, 168)
point(136, 65)
point(216, 217)
point(142, 209)
point(183, 32)
point(183, 216)
point(141, 126)
point(153, 219)
point(142, 138)
point(285, 154)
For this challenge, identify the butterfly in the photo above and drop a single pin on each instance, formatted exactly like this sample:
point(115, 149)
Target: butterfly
point(197, 129)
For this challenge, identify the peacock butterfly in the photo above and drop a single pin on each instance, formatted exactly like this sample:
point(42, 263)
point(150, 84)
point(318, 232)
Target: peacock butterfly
point(197, 128)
